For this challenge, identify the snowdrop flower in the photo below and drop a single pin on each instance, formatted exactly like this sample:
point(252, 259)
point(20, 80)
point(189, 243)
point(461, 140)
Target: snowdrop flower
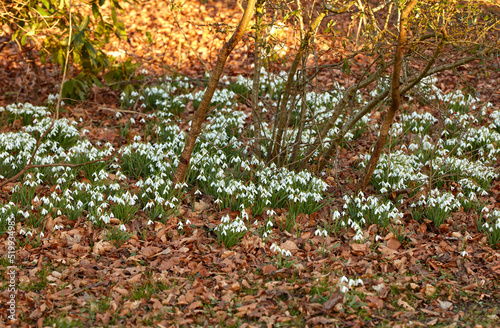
point(150, 222)
point(344, 289)
point(274, 247)
point(464, 254)
point(122, 227)
point(344, 280)
point(320, 232)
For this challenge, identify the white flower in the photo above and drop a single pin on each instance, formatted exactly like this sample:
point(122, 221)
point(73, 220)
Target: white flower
point(464, 254)
point(344, 289)
point(122, 227)
point(320, 232)
point(150, 222)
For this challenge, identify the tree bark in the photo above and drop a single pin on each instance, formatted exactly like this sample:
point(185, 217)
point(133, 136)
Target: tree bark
point(395, 97)
point(201, 112)
point(282, 114)
point(256, 111)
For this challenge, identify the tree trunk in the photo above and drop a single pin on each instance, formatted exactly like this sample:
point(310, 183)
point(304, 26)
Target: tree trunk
point(256, 111)
point(282, 114)
point(201, 112)
point(395, 97)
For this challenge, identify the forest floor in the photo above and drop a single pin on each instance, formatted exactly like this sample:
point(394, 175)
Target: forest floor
point(175, 271)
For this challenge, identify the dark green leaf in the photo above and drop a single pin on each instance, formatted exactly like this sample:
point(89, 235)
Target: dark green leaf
point(113, 14)
point(90, 48)
point(84, 23)
point(95, 10)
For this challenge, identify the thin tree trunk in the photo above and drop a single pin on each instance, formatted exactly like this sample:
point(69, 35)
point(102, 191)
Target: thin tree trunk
point(259, 12)
point(201, 112)
point(395, 97)
point(282, 113)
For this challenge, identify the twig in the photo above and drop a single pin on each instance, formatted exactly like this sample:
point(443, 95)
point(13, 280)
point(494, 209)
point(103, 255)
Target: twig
point(121, 110)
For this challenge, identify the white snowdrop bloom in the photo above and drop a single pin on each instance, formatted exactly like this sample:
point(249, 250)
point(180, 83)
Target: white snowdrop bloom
point(344, 280)
point(274, 247)
point(42, 235)
point(464, 254)
point(122, 227)
point(359, 282)
point(320, 232)
point(344, 289)
point(29, 233)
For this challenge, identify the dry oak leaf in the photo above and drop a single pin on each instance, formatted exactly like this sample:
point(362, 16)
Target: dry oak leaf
point(387, 251)
point(194, 305)
point(102, 247)
point(405, 305)
point(393, 244)
point(121, 291)
point(268, 269)
point(201, 206)
point(429, 291)
point(319, 321)
point(289, 246)
point(135, 279)
point(375, 302)
point(149, 251)
point(243, 310)
point(359, 249)
point(335, 299)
